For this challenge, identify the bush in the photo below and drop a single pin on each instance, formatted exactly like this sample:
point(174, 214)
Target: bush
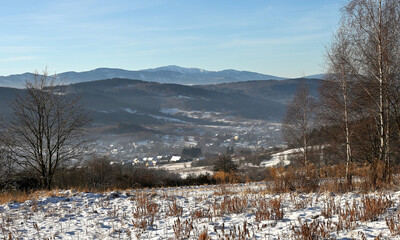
point(256, 174)
point(202, 179)
point(225, 164)
point(291, 179)
point(99, 174)
point(23, 183)
point(222, 177)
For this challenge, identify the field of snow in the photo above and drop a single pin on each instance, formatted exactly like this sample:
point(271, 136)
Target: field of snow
point(243, 211)
point(186, 169)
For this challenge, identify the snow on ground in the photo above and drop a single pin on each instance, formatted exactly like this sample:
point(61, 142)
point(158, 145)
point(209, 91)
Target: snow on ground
point(129, 110)
point(245, 211)
point(185, 169)
point(283, 158)
point(166, 119)
point(199, 115)
point(280, 158)
point(277, 159)
point(170, 111)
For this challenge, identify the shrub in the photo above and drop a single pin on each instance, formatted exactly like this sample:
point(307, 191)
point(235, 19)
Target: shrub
point(224, 163)
point(222, 177)
point(303, 179)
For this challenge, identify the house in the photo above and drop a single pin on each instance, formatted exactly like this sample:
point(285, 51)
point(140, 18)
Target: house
point(175, 158)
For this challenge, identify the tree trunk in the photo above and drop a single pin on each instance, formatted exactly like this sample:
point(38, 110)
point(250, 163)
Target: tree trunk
point(347, 132)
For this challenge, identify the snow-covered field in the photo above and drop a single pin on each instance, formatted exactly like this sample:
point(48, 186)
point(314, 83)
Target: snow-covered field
point(244, 211)
point(186, 169)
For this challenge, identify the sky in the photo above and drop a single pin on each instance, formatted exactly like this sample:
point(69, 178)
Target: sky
point(285, 38)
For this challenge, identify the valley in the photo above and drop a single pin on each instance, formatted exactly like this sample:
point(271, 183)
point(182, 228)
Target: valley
point(137, 119)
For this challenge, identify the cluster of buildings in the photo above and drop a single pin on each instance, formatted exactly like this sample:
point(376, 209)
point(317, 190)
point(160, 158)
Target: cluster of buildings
point(155, 161)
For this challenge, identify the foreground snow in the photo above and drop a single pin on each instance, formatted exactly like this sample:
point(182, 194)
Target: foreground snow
point(219, 212)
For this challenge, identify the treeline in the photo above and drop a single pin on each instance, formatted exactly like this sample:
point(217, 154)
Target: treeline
point(99, 173)
point(359, 97)
point(102, 173)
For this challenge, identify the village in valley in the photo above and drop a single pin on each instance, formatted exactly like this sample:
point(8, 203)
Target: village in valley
point(240, 139)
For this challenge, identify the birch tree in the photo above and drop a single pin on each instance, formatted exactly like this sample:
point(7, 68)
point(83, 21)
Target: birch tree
point(300, 120)
point(337, 96)
point(370, 31)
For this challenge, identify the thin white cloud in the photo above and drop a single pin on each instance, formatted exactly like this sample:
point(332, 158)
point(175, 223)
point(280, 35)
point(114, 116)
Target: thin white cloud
point(17, 59)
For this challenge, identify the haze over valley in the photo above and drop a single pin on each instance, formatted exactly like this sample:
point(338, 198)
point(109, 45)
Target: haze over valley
point(157, 116)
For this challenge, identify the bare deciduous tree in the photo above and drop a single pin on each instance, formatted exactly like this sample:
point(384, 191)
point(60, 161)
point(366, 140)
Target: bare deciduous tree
point(46, 132)
point(370, 30)
point(300, 119)
point(337, 96)
point(6, 165)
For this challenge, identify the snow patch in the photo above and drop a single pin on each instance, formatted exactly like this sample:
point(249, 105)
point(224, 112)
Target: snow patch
point(129, 110)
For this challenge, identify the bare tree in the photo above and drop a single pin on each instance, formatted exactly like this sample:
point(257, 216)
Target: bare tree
point(6, 165)
point(370, 31)
point(46, 132)
point(300, 119)
point(337, 96)
point(224, 163)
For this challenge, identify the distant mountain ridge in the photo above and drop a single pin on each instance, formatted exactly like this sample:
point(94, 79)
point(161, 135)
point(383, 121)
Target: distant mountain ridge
point(167, 74)
point(316, 76)
point(127, 101)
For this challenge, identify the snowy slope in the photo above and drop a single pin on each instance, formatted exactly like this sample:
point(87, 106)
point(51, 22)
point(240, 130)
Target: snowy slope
point(214, 211)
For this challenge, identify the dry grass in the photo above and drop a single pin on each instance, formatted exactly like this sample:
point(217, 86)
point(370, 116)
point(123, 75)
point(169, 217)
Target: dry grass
point(367, 209)
point(371, 208)
point(21, 196)
point(229, 199)
point(175, 209)
point(301, 202)
point(18, 197)
point(182, 229)
point(328, 179)
point(201, 213)
point(269, 210)
point(144, 212)
point(222, 177)
point(230, 205)
point(314, 230)
point(393, 224)
point(204, 235)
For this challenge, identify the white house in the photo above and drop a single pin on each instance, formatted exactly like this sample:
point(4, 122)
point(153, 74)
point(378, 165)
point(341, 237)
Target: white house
point(175, 158)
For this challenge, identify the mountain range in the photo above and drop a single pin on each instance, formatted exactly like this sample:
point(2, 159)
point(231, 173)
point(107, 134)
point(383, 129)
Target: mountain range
point(167, 74)
point(137, 102)
point(152, 100)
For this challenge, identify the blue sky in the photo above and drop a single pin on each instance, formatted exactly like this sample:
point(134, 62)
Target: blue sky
point(278, 37)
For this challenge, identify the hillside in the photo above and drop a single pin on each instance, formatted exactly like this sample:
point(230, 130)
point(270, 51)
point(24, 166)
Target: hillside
point(123, 100)
point(281, 91)
point(237, 211)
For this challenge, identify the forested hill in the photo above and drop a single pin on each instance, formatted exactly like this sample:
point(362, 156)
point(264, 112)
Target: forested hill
point(135, 101)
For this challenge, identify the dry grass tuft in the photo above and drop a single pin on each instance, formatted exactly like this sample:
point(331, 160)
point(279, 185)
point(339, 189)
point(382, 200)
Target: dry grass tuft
point(269, 210)
point(393, 224)
point(314, 230)
point(175, 209)
point(204, 235)
point(18, 197)
point(182, 229)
